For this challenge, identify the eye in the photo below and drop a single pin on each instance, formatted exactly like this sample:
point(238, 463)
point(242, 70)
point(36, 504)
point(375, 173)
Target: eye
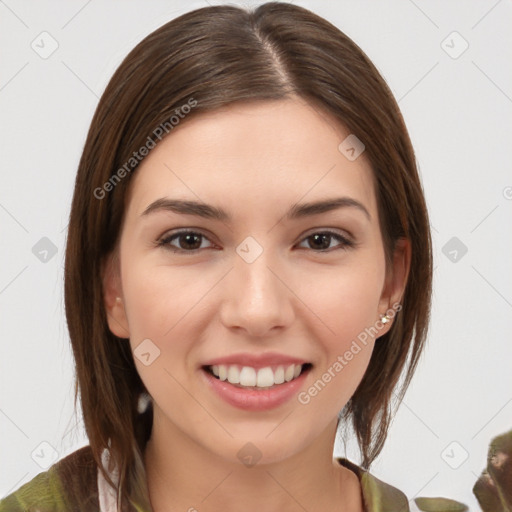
point(187, 241)
point(321, 240)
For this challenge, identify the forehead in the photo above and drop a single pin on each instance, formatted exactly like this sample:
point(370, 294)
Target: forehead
point(253, 155)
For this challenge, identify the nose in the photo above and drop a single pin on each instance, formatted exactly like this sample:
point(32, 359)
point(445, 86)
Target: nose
point(256, 297)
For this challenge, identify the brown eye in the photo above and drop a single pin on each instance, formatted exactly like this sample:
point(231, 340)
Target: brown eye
point(187, 241)
point(321, 241)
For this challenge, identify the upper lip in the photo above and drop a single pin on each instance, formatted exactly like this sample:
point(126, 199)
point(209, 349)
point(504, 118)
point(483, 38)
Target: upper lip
point(255, 360)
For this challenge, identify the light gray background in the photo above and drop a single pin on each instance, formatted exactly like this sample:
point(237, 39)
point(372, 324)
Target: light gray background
point(458, 111)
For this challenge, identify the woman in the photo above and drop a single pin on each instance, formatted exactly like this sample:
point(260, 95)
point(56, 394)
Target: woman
point(248, 268)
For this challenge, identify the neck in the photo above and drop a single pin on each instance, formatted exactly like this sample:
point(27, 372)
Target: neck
point(183, 475)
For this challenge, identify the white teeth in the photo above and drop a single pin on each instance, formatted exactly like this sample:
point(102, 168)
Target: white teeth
point(279, 375)
point(233, 374)
point(288, 374)
point(265, 378)
point(250, 377)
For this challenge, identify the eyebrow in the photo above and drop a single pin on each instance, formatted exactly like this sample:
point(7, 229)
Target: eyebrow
point(208, 211)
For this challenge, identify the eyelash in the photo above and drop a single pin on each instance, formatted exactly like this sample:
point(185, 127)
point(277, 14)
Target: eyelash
point(165, 241)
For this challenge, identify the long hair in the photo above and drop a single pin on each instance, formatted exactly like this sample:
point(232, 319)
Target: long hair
point(217, 56)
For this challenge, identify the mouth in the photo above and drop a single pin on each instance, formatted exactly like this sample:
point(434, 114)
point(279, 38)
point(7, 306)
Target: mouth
point(248, 377)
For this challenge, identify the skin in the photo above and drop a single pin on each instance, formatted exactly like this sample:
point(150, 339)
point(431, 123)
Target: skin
point(255, 160)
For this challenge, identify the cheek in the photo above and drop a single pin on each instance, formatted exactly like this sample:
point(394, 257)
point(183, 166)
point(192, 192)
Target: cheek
point(161, 306)
point(159, 299)
point(346, 351)
point(346, 301)
point(347, 307)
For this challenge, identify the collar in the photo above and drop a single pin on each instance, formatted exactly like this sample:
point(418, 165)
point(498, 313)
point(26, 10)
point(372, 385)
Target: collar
point(378, 496)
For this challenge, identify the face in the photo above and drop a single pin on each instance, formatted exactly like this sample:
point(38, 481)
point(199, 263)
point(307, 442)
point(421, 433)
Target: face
point(270, 288)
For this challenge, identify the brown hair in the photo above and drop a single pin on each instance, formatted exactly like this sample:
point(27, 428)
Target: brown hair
point(217, 56)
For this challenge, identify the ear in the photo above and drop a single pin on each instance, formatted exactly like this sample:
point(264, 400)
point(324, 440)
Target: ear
point(395, 282)
point(113, 297)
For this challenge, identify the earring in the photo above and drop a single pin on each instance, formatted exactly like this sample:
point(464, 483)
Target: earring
point(143, 402)
point(385, 319)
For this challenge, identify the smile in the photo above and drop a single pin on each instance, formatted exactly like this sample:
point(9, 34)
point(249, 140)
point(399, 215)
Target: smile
point(261, 389)
point(253, 378)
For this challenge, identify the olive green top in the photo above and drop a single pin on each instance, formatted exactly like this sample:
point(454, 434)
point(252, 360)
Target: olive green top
point(71, 485)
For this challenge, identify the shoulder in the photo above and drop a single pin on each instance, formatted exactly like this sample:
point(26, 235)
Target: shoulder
point(69, 485)
point(379, 496)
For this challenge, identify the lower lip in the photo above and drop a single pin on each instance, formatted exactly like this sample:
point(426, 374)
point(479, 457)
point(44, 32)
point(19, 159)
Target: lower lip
point(253, 399)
